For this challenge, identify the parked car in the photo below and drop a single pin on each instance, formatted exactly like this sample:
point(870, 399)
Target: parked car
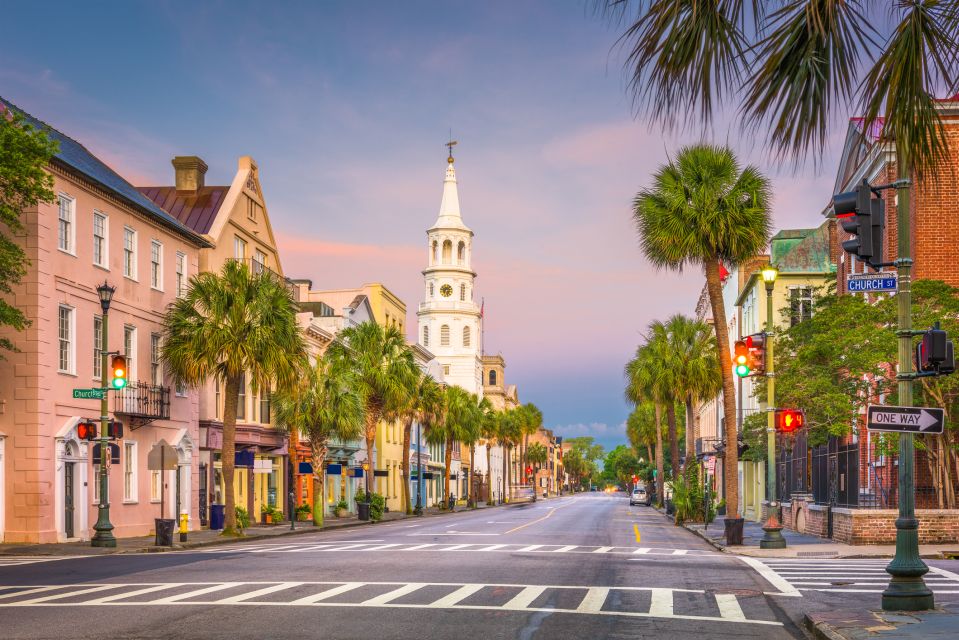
point(639, 496)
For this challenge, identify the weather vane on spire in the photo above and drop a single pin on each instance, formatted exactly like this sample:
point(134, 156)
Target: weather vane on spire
point(449, 145)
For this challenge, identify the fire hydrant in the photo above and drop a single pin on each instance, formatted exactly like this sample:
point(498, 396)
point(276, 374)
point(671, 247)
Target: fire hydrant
point(184, 524)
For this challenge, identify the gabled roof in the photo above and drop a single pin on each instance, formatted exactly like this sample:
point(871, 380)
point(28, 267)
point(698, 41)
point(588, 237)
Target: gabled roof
point(75, 158)
point(195, 209)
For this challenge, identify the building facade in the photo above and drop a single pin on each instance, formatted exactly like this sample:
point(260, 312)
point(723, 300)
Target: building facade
point(99, 229)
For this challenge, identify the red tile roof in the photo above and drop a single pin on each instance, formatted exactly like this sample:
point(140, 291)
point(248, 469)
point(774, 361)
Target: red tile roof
point(195, 210)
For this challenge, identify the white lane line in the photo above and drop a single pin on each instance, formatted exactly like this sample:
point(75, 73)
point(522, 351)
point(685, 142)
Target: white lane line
point(329, 593)
point(773, 578)
point(729, 608)
point(456, 547)
point(565, 549)
point(457, 596)
point(315, 547)
point(532, 547)
point(344, 547)
point(602, 550)
point(68, 594)
point(282, 547)
point(944, 573)
point(661, 603)
point(419, 546)
point(377, 547)
point(492, 547)
point(641, 550)
point(259, 592)
point(137, 592)
point(394, 594)
point(680, 552)
point(452, 533)
point(594, 600)
point(196, 592)
point(524, 598)
point(26, 592)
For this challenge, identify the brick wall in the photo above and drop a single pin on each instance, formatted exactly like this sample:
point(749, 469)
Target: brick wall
point(878, 526)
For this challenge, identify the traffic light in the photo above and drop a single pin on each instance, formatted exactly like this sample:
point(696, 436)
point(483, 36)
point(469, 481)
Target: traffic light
point(789, 420)
point(756, 345)
point(635, 479)
point(741, 359)
point(114, 430)
point(865, 218)
point(934, 353)
point(87, 430)
point(118, 366)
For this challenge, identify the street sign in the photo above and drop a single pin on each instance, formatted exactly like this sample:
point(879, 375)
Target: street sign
point(872, 283)
point(904, 419)
point(89, 394)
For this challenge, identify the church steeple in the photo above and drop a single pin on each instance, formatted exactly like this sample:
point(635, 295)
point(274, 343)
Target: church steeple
point(450, 216)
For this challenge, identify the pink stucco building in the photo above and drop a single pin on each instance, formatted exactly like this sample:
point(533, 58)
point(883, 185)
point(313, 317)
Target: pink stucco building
point(99, 228)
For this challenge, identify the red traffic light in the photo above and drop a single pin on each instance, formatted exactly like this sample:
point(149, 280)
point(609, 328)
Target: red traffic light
point(789, 420)
point(87, 430)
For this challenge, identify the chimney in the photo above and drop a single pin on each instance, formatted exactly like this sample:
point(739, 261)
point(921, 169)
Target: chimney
point(189, 171)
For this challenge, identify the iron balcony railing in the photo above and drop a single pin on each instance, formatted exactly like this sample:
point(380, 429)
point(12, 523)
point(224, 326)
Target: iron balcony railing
point(141, 400)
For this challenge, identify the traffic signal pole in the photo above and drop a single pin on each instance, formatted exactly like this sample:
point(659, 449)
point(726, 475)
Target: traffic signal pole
point(104, 529)
point(773, 529)
point(906, 591)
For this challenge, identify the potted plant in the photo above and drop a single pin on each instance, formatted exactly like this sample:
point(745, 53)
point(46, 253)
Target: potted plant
point(340, 509)
point(721, 508)
point(242, 519)
point(265, 514)
point(304, 513)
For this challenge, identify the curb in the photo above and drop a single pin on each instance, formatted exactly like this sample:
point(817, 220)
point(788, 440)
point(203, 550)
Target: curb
point(821, 630)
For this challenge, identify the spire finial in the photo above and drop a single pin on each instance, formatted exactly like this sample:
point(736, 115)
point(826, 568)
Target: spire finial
point(449, 145)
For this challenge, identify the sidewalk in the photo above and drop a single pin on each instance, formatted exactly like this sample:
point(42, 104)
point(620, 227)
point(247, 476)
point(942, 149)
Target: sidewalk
point(882, 625)
point(800, 545)
point(207, 538)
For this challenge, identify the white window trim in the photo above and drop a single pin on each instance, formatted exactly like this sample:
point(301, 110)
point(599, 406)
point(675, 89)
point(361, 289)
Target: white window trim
point(158, 475)
point(237, 243)
point(133, 267)
point(105, 265)
point(130, 448)
point(132, 356)
point(181, 259)
point(159, 283)
point(71, 370)
point(72, 251)
point(96, 347)
point(159, 362)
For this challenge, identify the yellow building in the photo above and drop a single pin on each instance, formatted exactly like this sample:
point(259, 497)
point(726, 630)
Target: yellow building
point(235, 219)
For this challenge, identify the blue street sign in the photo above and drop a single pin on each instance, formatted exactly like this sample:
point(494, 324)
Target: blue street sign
point(873, 283)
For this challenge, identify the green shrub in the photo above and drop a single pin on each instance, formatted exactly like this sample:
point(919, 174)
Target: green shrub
point(304, 508)
point(342, 505)
point(377, 506)
point(242, 518)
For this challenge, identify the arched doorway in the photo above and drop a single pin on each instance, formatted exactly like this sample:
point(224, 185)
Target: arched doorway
point(182, 486)
point(71, 499)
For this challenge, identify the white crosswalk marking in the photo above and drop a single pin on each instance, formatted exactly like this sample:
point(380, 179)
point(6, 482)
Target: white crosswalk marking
point(532, 547)
point(853, 576)
point(565, 549)
point(593, 600)
point(470, 547)
point(13, 561)
point(602, 550)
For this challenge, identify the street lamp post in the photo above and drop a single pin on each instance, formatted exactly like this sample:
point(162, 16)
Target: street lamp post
point(773, 530)
point(419, 471)
point(104, 529)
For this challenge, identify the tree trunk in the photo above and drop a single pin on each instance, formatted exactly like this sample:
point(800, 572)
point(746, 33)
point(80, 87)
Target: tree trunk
point(660, 477)
point(469, 477)
point(673, 439)
point(690, 430)
point(318, 451)
point(407, 436)
point(730, 428)
point(231, 400)
point(649, 454)
point(489, 473)
point(503, 496)
point(448, 460)
point(372, 419)
point(525, 460)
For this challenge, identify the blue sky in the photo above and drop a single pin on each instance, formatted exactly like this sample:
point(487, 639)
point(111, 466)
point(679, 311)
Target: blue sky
point(346, 106)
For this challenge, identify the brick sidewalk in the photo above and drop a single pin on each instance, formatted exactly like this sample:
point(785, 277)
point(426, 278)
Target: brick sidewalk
point(859, 624)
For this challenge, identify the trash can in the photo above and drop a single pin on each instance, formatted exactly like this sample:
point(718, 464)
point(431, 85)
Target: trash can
point(217, 516)
point(363, 510)
point(164, 531)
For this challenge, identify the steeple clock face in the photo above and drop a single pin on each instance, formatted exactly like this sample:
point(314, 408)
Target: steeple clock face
point(446, 291)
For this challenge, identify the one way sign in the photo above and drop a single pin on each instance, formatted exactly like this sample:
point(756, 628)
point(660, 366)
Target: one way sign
point(904, 419)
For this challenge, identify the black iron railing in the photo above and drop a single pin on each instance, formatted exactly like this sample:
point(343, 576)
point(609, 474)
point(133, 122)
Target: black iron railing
point(141, 400)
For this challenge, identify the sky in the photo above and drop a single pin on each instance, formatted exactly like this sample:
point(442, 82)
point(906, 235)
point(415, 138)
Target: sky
point(346, 108)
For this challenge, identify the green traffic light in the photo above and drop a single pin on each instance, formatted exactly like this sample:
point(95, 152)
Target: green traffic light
point(742, 370)
point(119, 383)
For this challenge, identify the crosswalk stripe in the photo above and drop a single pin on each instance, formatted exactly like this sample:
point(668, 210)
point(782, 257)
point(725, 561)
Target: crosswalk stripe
point(67, 594)
point(602, 550)
point(661, 602)
point(420, 546)
point(594, 600)
point(345, 547)
point(394, 594)
point(329, 593)
point(565, 549)
point(524, 598)
point(729, 608)
point(132, 594)
point(282, 547)
point(492, 547)
point(26, 592)
point(259, 592)
point(532, 547)
point(456, 547)
point(680, 552)
point(196, 592)
point(641, 550)
point(457, 596)
point(381, 546)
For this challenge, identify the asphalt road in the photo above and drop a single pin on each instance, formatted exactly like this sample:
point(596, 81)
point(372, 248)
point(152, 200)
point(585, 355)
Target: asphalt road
point(588, 566)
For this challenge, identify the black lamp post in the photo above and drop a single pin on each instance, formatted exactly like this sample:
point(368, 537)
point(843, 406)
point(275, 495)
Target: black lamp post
point(419, 471)
point(104, 529)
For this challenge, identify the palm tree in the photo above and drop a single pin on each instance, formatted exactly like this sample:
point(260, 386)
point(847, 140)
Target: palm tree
point(323, 406)
point(227, 326)
point(668, 372)
point(507, 434)
point(641, 429)
point(693, 345)
point(649, 381)
point(704, 210)
point(421, 403)
point(456, 426)
point(489, 432)
point(382, 366)
point(531, 419)
point(536, 455)
point(479, 409)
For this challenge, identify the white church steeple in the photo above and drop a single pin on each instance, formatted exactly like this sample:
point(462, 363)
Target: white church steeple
point(449, 318)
